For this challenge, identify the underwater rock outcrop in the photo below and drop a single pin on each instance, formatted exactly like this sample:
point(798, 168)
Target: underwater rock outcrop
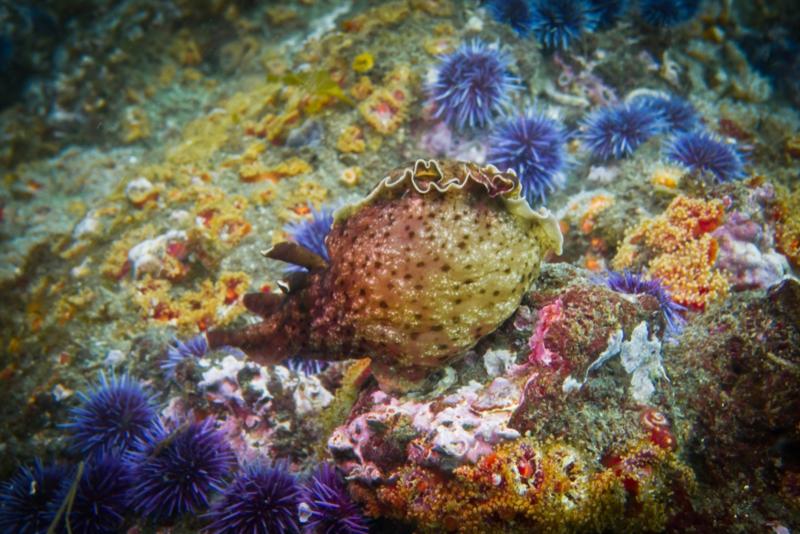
point(437, 256)
point(500, 444)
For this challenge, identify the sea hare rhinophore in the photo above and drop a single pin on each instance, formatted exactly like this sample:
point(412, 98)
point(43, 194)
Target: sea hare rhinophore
point(437, 256)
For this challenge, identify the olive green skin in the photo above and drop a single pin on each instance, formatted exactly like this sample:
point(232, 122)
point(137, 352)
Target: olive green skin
point(435, 258)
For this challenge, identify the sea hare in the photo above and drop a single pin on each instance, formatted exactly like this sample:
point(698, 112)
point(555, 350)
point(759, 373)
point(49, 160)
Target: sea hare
point(437, 256)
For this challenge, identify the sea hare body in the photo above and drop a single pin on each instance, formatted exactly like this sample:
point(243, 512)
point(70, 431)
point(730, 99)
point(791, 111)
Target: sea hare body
point(436, 257)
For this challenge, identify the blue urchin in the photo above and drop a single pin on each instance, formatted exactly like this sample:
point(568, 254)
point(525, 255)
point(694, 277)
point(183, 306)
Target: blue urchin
point(311, 233)
point(636, 284)
point(262, 499)
point(677, 113)
point(307, 366)
point(617, 131)
point(557, 23)
point(27, 499)
point(175, 473)
point(472, 85)
point(607, 12)
point(326, 506)
point(666, 13)
point(515, 13)
point(179, 352)
point(112, 415)
point(700, 151)
point(533, 145)
point(101, 499)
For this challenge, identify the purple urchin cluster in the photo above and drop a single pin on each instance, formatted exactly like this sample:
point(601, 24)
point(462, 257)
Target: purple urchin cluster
point(112, 416)
point(27, 499)
point(472, 86)
point(557, 23)
point(515, 13)
point(327, 508)
point(617, 131)
point(533, 145)
point(676, 112)
point(311, 233)
point(667, 13)
point(262, 499)
point(101, 497)
point(175, 473)
point(702, 152)
point(632, 283)
point(179, 352)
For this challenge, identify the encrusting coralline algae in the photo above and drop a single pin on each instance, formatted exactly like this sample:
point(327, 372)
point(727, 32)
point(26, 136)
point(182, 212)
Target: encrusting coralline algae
point(601, 338)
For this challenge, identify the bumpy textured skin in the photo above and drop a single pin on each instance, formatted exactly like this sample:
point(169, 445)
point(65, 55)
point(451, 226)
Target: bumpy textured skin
point(436, 257)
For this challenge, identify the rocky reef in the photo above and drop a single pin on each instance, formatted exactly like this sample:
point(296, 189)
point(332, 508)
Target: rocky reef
point(574, 310)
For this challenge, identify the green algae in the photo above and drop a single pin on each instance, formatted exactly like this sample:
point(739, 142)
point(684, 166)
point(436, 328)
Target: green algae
point(317, 83)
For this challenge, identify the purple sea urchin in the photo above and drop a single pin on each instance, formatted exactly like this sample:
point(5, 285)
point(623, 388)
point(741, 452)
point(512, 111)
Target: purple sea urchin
point(677, 113)
point(617, 131)
point(326, 506)
point(311, 233)
point(700, 151)
point(636, 284)
point(26, 500)
point(305, 365)
point(262, 499)
point(665, 13)
point(472, 85)
point(101, 499)
point(176, 473)
point(179, 352)
point(112, 415)
point(533, 145)
point(515, 13)
point(557, 23)
point(607, 12)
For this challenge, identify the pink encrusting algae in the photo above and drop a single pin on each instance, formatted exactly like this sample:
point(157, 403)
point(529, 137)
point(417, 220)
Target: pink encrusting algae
point(426, 266)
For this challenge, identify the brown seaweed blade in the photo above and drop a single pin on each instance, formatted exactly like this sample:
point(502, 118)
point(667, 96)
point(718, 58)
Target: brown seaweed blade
point(297, 255)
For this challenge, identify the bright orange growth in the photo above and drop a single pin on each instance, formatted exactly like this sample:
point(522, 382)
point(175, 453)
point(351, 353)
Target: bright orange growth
point(223, 217)
point(597, 204)
point(593, 262)
point(787, 228)
point(525, 486)
point(214, 303)
point(678, 248)
point(256, 172)
point(385, 109)
point(666, 177)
